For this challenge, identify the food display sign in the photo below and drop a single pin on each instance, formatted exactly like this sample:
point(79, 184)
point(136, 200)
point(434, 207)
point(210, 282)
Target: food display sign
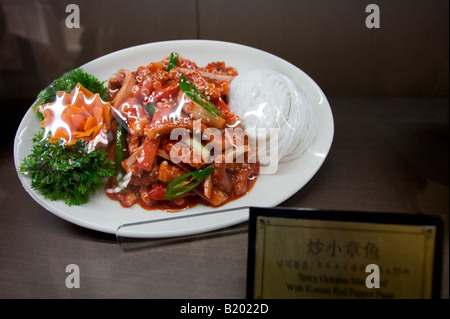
point(306, 254)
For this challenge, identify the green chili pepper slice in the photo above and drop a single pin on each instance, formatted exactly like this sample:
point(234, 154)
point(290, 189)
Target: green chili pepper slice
point(194, 94)
point(187, 182)
point(150, 109)
point(120, 149)
point(173, 61)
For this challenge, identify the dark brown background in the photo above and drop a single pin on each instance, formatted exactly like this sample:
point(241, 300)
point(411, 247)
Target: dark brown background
point(388, 89)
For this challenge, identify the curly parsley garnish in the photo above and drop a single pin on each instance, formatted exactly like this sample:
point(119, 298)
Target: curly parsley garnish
point(68, 173)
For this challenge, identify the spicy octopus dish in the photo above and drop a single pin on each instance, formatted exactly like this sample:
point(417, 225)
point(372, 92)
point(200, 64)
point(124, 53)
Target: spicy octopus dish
point(178, 142)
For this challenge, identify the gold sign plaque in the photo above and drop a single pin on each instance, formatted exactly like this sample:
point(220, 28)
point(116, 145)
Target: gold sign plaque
point(328, 259)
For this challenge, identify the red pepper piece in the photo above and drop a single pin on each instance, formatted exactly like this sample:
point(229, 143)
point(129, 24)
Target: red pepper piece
point(147, 154)
point(157, 192)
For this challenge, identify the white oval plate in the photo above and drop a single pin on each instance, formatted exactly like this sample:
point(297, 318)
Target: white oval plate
point(105, 215)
